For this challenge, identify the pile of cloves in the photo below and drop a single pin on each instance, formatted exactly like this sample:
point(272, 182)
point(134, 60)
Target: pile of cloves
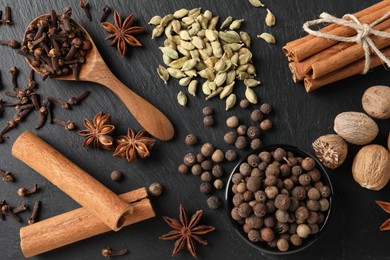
point(56, 45)
point(26, 100)
point(7, 210)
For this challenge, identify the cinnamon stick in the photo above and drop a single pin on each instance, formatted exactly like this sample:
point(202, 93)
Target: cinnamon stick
point(77, 225)
point(345, 72)
point(71, 179)
point(334, 62)
point(314, 45)
point(300, 69)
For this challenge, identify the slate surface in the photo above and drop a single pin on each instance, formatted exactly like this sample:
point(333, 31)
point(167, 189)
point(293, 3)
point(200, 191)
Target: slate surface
point(353, 230)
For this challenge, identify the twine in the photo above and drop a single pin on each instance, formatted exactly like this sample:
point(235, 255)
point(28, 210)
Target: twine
point(362, 37)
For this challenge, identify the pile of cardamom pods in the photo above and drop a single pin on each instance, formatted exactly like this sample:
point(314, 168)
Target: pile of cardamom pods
point(194, 47)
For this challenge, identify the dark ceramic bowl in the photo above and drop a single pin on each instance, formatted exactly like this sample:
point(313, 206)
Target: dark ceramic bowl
point(263, 246)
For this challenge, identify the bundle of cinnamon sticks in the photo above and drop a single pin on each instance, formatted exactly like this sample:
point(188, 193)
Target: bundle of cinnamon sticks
point(319, 61)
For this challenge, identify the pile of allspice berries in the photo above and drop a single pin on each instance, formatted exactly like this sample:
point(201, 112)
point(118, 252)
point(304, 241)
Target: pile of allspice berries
point(371, 165)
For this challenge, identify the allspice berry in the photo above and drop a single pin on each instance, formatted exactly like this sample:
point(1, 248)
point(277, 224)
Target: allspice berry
point(218, 156)
point(296, 240)
point(217, 171)
point(303, 230)
point(244, 103)
point(241, 142)
point(183, 169)
point(207, 111)
point(308, 164)
point(213, 202)
point(205, 188)
point(155, 189)
point(267, 234)
point(230, 155)
point(218, 184)
point(253, 132)
point(253, 160)
point(254, 235)
point(191, 139)
point(116, 176)
point(232, 122)
point(266, 125)
point(257, 116)
point(241, 130)
point(282, 244)
point(253, 184)
point(266, 109)
point(206, 165)
point(207, 149)
point(282, 202)
point(189, 159)
point(196, 170)
point(256, 144)
point(208, 121)
point(206, 177)
point(230, 137)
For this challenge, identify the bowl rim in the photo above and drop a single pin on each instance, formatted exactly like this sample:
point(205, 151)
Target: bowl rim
point(259, 245)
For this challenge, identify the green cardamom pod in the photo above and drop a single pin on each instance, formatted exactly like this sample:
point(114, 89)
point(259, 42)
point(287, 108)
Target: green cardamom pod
point(175, 73)
point(230, 101)
point(270, 19)
point(217, 49)
point(269, 38)
point(245, 38)
point(194, 12)
point(166, 19)
point(185, 35)
point(169, 52)
point(178, 64)
point(230, 36)
point(256, 3)
point(226, 22)
point(163, 73)
point(188, 65)
point(182, 99)
point(184, 81)
point(155, 20)
point(211, 35)
point(205, 88)
point(250, 94)
point(251, 83)
point(236, 24)
point(227, 90)
point(213, 23)
point(220, 78)
point(157, 31)
point(180, 13)
point(214, 93)
point(192, 87)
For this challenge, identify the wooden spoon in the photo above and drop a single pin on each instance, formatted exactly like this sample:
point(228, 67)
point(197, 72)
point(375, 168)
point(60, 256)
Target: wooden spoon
point(96, 70)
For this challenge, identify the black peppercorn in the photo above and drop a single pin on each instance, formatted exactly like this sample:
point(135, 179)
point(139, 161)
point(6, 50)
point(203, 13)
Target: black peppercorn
point(241, 142)
point(308, 164)
point(206, 165)
point(208, 121)
point(244, 103)
point(253, 184)
point(241, 130)
point(205, 187)
point(256, 144)
point(237, 178)
point(207, 149)
point(254, 235)
point(253, 132)
point(266, 108)
point(282, 202)
point(196, 169)
point(191, 139)
point(217, 171)
point(230, 137)
point(253, 160)
point(257, 116)
point(232, 122)
point(183, 169)
point(267, 234)
point(116, 176)
point(189, 159)
point(206, 177)
point(213, 202)
point(230, 155)
point(266, 125)
point(207, 111)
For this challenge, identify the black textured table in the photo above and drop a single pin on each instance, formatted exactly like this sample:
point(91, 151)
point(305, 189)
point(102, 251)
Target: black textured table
point(299, 118)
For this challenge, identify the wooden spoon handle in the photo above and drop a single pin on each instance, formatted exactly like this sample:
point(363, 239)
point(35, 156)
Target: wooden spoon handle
point(150, 118)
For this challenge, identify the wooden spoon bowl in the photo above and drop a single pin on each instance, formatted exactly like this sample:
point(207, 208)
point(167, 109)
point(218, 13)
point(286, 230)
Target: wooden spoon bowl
point(95, 70)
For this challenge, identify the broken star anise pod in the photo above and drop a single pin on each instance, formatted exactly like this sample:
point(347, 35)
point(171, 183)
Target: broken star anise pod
point(121, 34)
point(132, 145)
point(186, 232)
point(386, 207)
point(98, 132)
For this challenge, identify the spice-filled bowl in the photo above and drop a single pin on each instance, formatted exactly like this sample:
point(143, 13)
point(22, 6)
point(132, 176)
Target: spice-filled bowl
point(279, 199)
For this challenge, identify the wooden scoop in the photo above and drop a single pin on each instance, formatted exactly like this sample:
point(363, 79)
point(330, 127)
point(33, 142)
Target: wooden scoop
point(96, 70)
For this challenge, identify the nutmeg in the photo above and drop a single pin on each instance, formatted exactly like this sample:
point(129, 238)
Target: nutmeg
point(355, 127)
point(371, 167)
point(331, 150)
point(376, 102)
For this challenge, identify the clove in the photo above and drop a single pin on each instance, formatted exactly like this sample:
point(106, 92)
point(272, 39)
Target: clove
point(14, 71)
point(108, 252)
point(76, 100)
point(20, 208)
point(67, 124)
point(1, 83)
point(7, 20)
point(14, 44)
point(43, 112)
point(2, 203)
point(85, 6)
point(7, 210)
point(31, 80)
point(35, 213)
point(106, 12)
point(2, 106)
point(63, 103)
point(25, 192)
point(34, 97)
point(6, 176)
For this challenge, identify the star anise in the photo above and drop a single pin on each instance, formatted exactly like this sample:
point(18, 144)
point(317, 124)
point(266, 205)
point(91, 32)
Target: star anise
point(132, 144)
point(186, 233)
point(386, 207)
point(122, 34)
point(98, 132)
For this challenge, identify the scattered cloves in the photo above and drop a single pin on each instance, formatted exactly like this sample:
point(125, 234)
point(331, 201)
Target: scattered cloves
point(14, 44)
point(6, 176)
point(7, 20)
point(20, 208)
point(60, 101)
point(31, 80)
point(67, 124)
point(25, 192)
point(77, 99)
point(7, 210)
point(106, 12)
point(85, 6)
point(108, 252)
point(35, 213)
point(14, 71)
point(2, 203)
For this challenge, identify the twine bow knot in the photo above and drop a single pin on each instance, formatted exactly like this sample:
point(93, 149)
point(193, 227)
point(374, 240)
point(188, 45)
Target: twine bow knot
point(364, 31)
